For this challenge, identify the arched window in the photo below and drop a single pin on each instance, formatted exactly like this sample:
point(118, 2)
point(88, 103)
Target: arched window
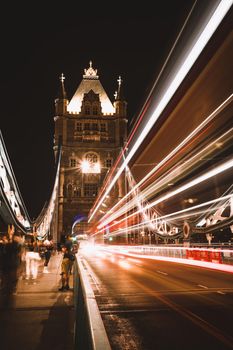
point(77, 192)
point(91, 157)
point(69, 190)
point(90, 163)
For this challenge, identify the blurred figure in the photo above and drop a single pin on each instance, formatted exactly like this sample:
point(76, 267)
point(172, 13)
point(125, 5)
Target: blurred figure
point(32, 260)
point(47, 254)
point(69, 242)
point(10, 262)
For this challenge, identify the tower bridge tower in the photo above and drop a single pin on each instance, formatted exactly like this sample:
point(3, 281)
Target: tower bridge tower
point(92, 131)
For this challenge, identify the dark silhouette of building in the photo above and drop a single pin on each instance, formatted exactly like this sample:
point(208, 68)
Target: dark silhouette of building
point(92, 131)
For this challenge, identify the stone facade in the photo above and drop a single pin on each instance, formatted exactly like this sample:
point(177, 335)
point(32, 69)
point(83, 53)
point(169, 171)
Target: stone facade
point(92, 131)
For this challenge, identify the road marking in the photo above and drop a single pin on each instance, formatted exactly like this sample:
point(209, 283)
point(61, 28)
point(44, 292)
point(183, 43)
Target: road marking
point(200, 285)
point(220, 292)
point(162, 273)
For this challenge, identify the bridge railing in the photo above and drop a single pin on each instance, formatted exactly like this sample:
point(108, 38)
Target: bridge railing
point(212, 255)
point(89, 331)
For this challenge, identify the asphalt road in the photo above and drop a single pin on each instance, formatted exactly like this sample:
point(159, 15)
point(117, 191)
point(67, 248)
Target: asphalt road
point(147, 304)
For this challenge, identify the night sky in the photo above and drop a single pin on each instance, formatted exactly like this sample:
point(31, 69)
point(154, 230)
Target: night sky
point(39, 43)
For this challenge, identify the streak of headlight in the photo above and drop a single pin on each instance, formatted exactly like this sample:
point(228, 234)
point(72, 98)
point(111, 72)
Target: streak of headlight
point(214, 266)
point(124, 264)
point(174, 216)
point(221, 168)
point(194, 53)
point(179, 147)
point(151, 189)
point(211, 265)
point(146, 104)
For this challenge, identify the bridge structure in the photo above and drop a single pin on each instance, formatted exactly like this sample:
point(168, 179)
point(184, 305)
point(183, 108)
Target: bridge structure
point(177, 161)
point(177, 164)
point(12, 208)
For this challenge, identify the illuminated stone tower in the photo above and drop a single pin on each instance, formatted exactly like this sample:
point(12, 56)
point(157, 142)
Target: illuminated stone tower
point(92, 131)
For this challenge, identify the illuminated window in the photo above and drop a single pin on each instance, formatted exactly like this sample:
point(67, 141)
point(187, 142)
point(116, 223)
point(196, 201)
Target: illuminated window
point(79, 126)
point(90, 164)
point(72, 162)
point(91, 157)
point(108, 163)
point(90, 190)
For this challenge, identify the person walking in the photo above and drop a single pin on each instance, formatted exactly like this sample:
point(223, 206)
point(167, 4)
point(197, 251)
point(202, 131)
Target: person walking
point(32, 260)
point(47, 254)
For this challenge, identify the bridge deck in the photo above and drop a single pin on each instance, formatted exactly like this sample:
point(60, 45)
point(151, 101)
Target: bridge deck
point(38, 316)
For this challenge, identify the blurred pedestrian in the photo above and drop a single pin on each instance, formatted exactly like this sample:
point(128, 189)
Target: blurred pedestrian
point(47, 254)
point(32, 260)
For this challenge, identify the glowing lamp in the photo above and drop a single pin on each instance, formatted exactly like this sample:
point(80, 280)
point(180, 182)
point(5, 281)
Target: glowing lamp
point(90, 168)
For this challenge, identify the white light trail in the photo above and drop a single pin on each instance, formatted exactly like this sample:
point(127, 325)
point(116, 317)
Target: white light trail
point(188, 62)
point(174, 216)
point(172, 175)
point(170, 155)
point(219, 169)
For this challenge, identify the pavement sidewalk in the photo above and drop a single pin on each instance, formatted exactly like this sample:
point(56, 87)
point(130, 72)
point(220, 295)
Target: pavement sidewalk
point(37, 316)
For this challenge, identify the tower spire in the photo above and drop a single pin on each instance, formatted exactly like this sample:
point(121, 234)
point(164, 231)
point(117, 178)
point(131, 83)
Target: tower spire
point(120, 103)
point(61, 101)
point(62, 91)
point(118, 94)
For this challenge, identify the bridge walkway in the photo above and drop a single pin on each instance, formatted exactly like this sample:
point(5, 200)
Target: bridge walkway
point(37, 316)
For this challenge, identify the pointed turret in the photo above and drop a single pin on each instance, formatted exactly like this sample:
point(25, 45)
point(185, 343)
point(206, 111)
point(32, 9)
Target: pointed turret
point(90, 82)
point(61, 101)
point(120, 104)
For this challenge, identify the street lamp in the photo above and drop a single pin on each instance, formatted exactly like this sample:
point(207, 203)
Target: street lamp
point(89, 167)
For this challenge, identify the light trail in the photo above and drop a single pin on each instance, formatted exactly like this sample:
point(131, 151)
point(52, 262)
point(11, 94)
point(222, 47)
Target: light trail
point(181, 214)
point(175, 151)
point(148, 100)
point(182, 260)
point(188, 62)
point(161, 182)
point(174, 216)
point(218, 170)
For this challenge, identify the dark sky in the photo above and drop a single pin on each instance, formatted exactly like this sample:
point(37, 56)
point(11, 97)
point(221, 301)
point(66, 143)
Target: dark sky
point(39, 43)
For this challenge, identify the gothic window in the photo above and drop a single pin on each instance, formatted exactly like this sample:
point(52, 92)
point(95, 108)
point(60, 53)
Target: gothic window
point(95, 110)
point(87, 110)
point(87, 126)
point(108, 162)
point(72, 162)
point(77, 192)
point(91, 157)
point(94, 126)
point(79, 126)
point(103, 127)
point(90, 163)
point(90, 190)
point(69, 190)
